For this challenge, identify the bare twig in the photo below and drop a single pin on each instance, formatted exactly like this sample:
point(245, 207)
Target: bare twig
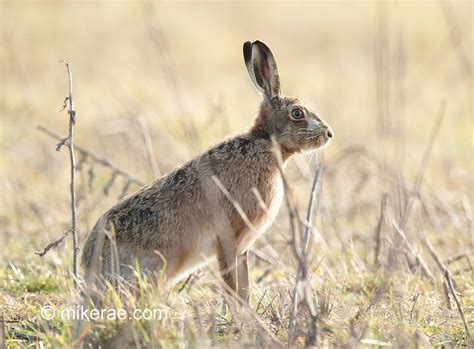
point(446, 295)
point(449, 280)
point(64, 141)
point(93, 157)
point(108, 185)
point(92, 274)
point(293, 215)
point(415, 300)
point(53, 244)
point(236, 205)
point(114, 256)
point(149, 148)
point(378, 229)
point(301, 253)
point(424, 165)
point(424, 268)
point(310, 209)
point(185, 283)
point(302, 270)
point(90, 177)
point(125, 188)
point(72, 121)
point(457, 257)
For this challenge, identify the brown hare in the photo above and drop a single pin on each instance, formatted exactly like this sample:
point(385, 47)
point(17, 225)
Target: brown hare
point(180, 221)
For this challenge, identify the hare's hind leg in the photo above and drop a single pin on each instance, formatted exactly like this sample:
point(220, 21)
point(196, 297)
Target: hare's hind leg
point(227, 259)
point(243, 285)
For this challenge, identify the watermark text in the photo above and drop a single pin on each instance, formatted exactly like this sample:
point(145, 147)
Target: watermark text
point(85, 314)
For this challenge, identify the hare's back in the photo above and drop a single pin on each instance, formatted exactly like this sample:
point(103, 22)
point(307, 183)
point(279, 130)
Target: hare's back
point(159, 211)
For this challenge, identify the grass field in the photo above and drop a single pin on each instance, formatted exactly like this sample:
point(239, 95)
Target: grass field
point(157, 83)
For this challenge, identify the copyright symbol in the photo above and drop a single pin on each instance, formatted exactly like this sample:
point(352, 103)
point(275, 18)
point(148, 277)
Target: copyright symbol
point(47, 312)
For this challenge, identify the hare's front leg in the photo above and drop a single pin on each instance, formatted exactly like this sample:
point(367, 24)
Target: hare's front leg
point(227, 259)
point(243, 277)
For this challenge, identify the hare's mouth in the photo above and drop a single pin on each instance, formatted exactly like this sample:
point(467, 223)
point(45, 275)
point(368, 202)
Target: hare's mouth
point(321, 136)
point(326, 137)
point(326, 142)
point(321, 141)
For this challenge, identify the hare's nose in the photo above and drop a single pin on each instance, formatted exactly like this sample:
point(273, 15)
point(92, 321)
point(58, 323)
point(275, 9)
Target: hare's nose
point(329, 133)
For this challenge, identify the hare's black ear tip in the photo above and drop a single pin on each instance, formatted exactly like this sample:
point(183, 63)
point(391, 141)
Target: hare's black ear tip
point(247, 51)
point(261, 44)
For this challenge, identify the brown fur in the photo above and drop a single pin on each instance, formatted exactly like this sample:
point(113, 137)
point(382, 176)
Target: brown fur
point(186, 219)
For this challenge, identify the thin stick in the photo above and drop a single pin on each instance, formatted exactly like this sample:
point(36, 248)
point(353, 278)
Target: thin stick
point(414, 305)
point(291, 208)
point(447, 275)
point(149, 148)
point(293, 215)
point(310, 208)
point(95, 158)
point(301, 273)
point(424, 268)
point(72, 160)
point(457, 257)
point(299, 253)
point(53, 244)
point(378, 229)
point(449, 280)
point(185, 283)
point(424, 164)
point(114, 256)
point(236, 205)
point(446, 295)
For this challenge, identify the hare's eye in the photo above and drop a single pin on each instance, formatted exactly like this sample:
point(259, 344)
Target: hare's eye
point(297, 114)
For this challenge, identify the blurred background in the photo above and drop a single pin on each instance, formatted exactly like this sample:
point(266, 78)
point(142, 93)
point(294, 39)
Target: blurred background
point(156, 83)
point(377, 72)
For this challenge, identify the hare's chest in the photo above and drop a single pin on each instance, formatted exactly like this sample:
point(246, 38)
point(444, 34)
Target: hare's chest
point(265, 215)
point(273, 205)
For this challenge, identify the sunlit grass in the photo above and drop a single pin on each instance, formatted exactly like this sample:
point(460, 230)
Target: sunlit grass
point(327, 55)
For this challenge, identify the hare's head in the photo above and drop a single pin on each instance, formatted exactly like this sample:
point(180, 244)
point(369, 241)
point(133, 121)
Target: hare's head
point(294, 126)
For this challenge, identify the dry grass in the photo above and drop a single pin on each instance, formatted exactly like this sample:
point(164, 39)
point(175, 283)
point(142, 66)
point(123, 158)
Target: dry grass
point(157, 83)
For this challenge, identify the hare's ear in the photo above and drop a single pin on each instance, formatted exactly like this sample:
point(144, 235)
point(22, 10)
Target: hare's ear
point(262, 68)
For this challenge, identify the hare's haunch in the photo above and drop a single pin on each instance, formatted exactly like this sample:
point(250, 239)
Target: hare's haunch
point(212, 205)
